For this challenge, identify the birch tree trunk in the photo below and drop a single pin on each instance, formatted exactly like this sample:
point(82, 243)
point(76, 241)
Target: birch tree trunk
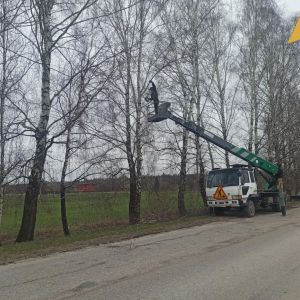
point(134, 205)
point(199, 157)
point(197, 96)
point(26, 232)
point(2, 109)
point(182, 174)
point(63, 209)
point(138, 137)
point(251, 125)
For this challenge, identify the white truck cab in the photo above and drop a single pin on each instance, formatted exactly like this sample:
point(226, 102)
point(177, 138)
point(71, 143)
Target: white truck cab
point(233, 187)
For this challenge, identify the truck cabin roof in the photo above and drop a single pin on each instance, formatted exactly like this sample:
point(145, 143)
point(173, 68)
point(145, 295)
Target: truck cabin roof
point(233, 167)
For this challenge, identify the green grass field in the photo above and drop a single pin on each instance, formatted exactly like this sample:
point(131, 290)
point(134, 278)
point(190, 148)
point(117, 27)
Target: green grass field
point(91, 208)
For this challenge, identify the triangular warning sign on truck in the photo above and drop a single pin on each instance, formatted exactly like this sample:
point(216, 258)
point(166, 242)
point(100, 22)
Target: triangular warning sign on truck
point(220, 194)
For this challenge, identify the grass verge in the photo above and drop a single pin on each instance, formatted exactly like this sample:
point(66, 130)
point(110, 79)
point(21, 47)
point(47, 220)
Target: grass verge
point(52, 241)
point(49, 242)
point(91, 208)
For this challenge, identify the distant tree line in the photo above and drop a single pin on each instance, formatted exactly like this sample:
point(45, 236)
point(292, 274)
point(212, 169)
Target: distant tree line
point(162, 183)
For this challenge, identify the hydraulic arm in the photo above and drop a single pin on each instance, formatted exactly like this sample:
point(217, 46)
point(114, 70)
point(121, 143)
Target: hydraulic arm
point(251, 158)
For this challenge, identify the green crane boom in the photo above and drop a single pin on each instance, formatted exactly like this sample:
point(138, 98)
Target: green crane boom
point(251, 158)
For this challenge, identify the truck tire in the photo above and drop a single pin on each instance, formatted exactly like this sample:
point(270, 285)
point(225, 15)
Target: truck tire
point(219, 211)
point(249, 209)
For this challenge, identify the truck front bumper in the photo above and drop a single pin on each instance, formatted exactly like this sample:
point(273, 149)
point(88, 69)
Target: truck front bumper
point(225, 203)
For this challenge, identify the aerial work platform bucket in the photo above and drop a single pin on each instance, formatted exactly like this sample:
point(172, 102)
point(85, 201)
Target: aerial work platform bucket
point(163, 113)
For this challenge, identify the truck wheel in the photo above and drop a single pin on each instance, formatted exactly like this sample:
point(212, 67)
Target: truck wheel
point(219, 211)
point(249, 209)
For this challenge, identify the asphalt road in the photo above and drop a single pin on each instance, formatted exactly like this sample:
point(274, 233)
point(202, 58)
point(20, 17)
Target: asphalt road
point(256, 258)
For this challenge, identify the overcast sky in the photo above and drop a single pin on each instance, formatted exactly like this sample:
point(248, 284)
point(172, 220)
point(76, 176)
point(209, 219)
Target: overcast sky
point(290, 7)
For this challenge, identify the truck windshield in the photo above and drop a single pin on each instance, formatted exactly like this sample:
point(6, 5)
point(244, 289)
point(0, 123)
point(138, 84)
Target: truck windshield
point(223, 177)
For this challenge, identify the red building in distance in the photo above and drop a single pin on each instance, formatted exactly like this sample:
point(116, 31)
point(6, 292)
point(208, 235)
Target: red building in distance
point(85, 187)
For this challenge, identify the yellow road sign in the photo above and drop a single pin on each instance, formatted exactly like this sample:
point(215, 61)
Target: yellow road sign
point(295, 36)
point(220, 194)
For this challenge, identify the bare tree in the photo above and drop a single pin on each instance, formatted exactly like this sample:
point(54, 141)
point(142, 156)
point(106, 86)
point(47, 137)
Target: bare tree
point(45, 38)
point(224, 83)
point(13, 69)
point(254, 26)
point(132, 27)
point(187, 28)
point(280, 95)
point(95, 72)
